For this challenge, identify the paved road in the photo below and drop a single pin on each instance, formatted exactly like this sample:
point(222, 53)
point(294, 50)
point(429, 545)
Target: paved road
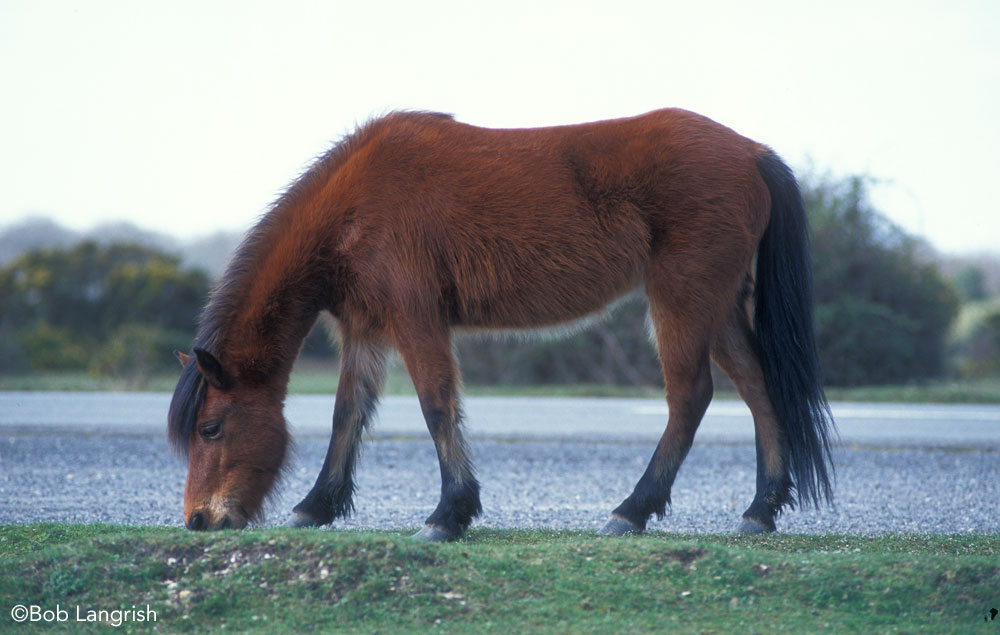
point(559, 463)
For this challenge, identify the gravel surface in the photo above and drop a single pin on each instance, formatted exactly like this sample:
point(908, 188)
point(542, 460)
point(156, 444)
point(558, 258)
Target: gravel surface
point(107, 474)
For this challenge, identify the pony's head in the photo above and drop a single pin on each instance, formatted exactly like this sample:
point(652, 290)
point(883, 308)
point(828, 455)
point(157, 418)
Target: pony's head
point(235, 439)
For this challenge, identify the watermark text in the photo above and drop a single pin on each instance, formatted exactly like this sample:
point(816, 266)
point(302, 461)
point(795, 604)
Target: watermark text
point(32, 613)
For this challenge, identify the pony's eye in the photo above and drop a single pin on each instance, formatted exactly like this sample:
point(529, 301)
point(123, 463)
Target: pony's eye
point(211, 429)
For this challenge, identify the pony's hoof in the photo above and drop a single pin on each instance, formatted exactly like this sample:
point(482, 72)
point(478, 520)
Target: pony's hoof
point(298, 519)
point(620, 527)
point(432, 534)
point(751, 527)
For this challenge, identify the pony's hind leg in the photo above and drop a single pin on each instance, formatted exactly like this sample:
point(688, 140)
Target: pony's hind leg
point(683, 335)
point(734, 352)
point(430, 362)
point(362, 375)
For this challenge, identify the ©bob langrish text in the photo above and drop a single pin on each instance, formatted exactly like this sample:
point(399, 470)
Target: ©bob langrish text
point(111, 617)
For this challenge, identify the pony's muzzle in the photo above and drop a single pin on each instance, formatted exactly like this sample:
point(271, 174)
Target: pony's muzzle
point(199, 521)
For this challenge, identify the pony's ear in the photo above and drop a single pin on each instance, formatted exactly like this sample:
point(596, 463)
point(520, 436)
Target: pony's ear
point(182, 357)
point(211, 369)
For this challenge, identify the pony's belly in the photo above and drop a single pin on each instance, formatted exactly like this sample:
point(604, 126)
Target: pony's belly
point(573, 303)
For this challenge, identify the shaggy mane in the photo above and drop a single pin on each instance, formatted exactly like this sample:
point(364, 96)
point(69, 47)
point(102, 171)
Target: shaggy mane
point(189, 395)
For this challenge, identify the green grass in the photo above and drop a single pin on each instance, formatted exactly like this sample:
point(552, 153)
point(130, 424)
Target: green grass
point(76, 381)
point(505, 581)
point(310, 379)
point(314, 378)
point(973, 391)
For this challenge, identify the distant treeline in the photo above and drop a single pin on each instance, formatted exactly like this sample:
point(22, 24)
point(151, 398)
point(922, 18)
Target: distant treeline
point(114, 310)
point(885, 312)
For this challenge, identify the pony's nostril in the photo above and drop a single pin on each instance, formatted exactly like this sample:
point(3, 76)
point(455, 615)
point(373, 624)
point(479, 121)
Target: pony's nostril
point(227, 522)
point(197, 522)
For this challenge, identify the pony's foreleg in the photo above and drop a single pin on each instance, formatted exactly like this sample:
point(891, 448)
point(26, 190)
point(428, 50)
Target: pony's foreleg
point(683, 346)
point(428, 356)
point(734, 352)
point(362, 375)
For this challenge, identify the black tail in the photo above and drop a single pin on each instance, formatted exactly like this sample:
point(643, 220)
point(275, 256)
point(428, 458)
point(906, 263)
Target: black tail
point(783, 323)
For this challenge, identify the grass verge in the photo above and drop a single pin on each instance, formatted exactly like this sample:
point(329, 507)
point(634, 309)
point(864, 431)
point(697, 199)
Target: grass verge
point(278, 580)
point(313, 378)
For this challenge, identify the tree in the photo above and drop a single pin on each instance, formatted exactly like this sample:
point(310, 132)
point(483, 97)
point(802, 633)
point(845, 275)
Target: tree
point(970, 282)
point(882, 307)
point(976, 339)
point(59, 302)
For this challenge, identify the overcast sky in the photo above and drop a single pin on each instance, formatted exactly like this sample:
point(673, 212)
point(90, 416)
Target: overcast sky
point(189, 117)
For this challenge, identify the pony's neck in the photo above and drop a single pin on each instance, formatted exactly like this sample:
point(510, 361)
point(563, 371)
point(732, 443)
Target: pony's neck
point(270, 296)
point(281, 277)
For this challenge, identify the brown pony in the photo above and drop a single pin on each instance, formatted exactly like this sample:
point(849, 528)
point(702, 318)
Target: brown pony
point(417, 225)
